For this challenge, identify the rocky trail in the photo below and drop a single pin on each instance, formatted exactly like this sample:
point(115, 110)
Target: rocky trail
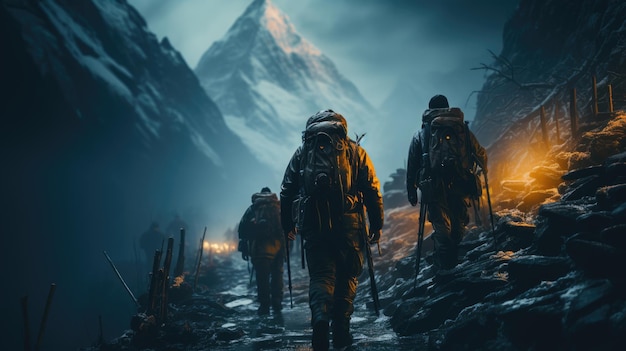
point(548, 275)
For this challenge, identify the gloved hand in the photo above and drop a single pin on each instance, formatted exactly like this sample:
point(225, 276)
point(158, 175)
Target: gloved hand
point(243, 248)
point(374, 236)
point(412, 196)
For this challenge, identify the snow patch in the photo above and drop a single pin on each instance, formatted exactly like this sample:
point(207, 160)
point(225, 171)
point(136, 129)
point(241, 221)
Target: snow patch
point(149, 125)
point(87, 49)
point(238, 302)
point(98, 68)
point(205, 148)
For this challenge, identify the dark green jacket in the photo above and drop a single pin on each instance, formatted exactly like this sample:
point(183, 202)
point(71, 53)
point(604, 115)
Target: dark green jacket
point(366, 183)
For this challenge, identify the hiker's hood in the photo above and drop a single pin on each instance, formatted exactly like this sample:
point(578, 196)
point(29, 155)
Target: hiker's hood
point(431, 113)
point(327, 115)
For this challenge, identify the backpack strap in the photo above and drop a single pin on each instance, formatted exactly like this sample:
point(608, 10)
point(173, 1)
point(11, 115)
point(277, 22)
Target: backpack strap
point(425, 148)
point(355, 161)
point(469, 146)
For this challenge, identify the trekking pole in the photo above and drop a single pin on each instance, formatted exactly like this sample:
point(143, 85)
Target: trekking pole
point(370, 269)
point(302, 256)
point(368, 249)
point(420, 240)
point(288, 269)
point(477, 218)
point(251, 275)
point(249, 272)
point(493, 230)
point(370, 259)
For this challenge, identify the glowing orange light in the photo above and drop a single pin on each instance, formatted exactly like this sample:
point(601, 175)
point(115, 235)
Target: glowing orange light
point(219, 247)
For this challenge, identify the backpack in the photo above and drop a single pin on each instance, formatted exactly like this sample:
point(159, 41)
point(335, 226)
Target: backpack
point(450, 155)
point(326, 171)
point(266, 220)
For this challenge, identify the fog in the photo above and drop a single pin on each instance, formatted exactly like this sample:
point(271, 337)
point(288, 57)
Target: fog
point(72, 188)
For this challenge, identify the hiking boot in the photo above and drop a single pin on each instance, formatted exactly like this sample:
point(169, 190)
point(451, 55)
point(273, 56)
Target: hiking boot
point(320, 336)
point(263, 310)
point(277, 307)
point(342, 338)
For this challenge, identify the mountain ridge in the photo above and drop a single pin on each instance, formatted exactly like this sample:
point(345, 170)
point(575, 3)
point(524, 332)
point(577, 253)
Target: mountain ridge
point(106, 130)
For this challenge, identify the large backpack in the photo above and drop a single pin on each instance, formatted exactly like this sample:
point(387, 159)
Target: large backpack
point(448, 144)
point(266, 209)
point(326, 170)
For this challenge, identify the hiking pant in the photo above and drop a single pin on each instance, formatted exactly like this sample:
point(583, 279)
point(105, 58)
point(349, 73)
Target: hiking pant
point(333, 272)
point(269, 281)
point(448, 219)
point(268, 256)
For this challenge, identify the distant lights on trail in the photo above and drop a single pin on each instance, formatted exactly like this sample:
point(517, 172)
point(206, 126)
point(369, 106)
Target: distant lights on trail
point(219, 247)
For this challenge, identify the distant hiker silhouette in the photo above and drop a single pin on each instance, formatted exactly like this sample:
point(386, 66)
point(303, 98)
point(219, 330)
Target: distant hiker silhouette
point(150, 241)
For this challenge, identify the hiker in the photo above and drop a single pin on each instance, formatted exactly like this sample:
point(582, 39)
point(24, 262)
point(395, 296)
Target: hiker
point(150, 241)
point(261, 239)
point(330, 177)
point(175, 225)
point(443, 167)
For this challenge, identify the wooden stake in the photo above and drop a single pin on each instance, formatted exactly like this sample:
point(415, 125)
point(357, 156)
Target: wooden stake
point(180, 261)
point(195, 279)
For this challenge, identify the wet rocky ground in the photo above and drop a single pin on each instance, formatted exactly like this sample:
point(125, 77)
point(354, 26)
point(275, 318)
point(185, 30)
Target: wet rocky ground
point(548, 275)
point(222, 315)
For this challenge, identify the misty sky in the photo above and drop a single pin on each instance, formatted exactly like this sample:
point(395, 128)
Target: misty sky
point(374, 43)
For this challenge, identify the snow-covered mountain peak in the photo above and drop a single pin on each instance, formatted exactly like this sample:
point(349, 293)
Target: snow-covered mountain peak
point(267, 80)
point(279, 26)
point(269, 19)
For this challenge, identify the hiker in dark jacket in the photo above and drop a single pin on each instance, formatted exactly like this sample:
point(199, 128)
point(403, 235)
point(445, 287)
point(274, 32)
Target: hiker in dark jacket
point(333, 238)
point(449, 199)
point(261, 239)
point(150, 241)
